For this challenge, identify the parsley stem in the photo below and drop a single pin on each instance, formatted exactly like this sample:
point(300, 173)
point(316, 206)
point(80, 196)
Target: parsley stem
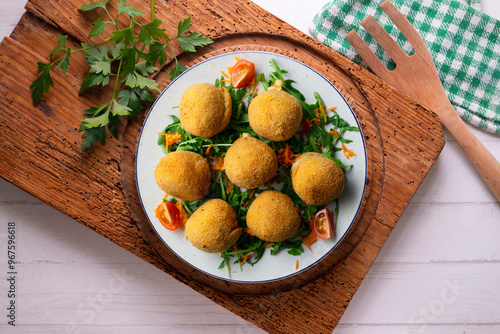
point(152, 10)
point(117, 78)
point(112, 20)
point(89, 46)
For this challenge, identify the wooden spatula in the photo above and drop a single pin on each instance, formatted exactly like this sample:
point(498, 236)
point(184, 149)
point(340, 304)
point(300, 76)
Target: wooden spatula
point(417, 77)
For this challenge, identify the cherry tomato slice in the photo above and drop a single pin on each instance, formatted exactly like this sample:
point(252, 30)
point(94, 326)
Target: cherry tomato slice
point(242, 73)
point(168, 215)
point(322, 224)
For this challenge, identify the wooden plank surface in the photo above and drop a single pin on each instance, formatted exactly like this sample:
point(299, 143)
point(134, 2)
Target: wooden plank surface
point(106, 172)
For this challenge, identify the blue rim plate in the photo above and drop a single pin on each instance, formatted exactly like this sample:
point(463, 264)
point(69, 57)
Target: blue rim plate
point(269, 268)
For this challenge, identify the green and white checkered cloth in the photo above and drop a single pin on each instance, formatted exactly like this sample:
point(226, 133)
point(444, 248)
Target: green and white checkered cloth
point(464, 43)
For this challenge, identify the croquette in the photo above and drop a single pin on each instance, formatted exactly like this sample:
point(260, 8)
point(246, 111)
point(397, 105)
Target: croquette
point(249, 162)
point(184, 175)
point(273, 216)
point(213, 227)
point(275, 115)
point(205, 110)
point(317, 179)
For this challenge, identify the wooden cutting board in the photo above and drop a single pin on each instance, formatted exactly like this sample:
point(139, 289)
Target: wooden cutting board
point(40, 152)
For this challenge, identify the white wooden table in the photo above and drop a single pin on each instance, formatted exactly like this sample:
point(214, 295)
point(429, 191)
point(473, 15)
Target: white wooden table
point(438, 273)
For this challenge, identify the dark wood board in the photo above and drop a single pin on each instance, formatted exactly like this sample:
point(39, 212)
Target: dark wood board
point(40, 152)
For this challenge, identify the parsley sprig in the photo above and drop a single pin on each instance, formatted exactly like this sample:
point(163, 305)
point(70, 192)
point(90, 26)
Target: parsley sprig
point(125, 61)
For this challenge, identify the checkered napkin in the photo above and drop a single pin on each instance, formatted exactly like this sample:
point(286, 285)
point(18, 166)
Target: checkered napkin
point(464, 43)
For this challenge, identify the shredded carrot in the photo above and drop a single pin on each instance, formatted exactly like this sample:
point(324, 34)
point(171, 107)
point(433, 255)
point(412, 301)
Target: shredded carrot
point(334, 133)
point(309, 215)
point(237, 58)
point(182, 214)
point(331, 108)
point(286, 157)
point(309, 240)
point(296, 264)
point(228, 189)
point(170, 138)
point(348, 153)
point(255, 90)
point(269, 245)
point(316, 121)
point(219, 164)
point(250, 198)
point(246, 257)
point(247, 230)
point(207, 152)
point(224, 75)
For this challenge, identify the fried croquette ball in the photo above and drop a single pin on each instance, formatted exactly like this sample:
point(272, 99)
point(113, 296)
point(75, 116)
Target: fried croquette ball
point(213, 227)
point(184, 175)
point(205, 110)
point(317, 179)
point(249, 162)
point(275, 115)
point(273, 216)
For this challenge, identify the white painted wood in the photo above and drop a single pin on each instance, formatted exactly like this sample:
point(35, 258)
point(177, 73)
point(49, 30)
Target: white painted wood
point(72, 280)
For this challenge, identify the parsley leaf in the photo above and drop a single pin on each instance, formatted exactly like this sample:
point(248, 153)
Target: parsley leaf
point(188, 43)
point(41, 84)
point(99, 26)
point(183, 26)
point(94, 5)
point(128, 9)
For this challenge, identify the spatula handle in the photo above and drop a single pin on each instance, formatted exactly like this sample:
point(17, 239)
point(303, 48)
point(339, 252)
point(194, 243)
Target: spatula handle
point(485, 163)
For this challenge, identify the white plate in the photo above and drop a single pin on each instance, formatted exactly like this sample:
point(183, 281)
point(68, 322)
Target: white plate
point(149, 154)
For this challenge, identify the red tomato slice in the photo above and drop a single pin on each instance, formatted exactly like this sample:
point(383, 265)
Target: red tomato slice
point(168, 215)
point(242, 73)
point(322, 224)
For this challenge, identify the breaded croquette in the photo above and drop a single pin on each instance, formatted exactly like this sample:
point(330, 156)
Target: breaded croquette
point(205, 110)
point(275, 115)
point(317, 179)
point(213, 227)
point(249, 162)
point(184, 175)
point(273, 216)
